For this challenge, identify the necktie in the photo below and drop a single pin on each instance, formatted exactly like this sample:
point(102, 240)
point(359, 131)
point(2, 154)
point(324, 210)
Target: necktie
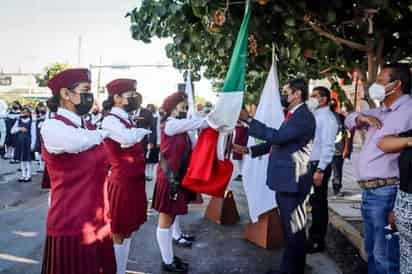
point(288, 116)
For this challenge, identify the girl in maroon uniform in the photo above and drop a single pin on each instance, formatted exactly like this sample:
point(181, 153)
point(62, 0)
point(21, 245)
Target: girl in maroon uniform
point(78, 238)
point(169, 198)
point(126, 181)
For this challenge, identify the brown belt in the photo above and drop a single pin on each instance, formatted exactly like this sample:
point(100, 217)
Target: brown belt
point(375, 183)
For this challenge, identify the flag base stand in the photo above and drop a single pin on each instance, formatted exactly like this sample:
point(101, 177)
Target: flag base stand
point(267, 232)
point(198, 199)
point(223, 211)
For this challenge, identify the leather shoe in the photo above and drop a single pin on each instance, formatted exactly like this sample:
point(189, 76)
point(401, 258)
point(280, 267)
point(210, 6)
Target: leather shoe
point(174, 267)
point(314, 247)
point(275, 272)
point(180, 261)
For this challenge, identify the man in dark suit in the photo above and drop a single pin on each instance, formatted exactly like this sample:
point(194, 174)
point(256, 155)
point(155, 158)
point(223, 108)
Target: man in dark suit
point(143, 118)
point(289, 175)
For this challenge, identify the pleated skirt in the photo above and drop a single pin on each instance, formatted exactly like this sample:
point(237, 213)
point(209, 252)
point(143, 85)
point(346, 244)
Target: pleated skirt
point(127, 206)
point(68, 255)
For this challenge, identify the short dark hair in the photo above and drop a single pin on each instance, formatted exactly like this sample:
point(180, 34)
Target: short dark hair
point(402, 73)
point(323, 92)
point(299, 84)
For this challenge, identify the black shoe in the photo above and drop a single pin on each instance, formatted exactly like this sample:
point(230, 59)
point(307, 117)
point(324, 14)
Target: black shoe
point(314, 247)
point(180, 261)
point(275, 272)
point(21, 180)
point(174, 268)
point(188, 237)
point(182, 242)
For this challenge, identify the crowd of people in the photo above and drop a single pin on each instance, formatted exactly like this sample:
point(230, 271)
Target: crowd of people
point(96, 162)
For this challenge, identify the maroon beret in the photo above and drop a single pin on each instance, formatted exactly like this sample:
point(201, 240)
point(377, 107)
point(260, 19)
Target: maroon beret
point(67, 78)
point(173, 100)
point(119, 86)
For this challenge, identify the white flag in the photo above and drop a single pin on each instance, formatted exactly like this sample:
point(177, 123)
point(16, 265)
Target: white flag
point(269, 111)
point(190, 95)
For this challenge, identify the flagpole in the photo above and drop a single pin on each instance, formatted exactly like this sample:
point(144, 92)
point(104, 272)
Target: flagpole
point(247, 6)
point(273, 53)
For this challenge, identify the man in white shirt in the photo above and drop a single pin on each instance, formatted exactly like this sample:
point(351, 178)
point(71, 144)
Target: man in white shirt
point(321, 159)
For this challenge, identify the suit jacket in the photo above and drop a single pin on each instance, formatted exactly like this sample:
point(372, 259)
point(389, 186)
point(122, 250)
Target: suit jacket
point(145, 120)
point(290, 148)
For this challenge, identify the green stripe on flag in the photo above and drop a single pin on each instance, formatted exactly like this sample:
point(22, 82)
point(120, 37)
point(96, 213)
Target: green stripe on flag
point(235, 77)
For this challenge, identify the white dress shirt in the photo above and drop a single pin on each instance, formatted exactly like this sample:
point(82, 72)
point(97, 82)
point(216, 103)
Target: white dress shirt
point(177, 126)
point(118, 132)
point(60, 138)
point(325, 135)
point(295, 108)
point(15, 129)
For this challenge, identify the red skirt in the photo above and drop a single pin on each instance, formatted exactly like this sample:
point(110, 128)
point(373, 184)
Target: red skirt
point(127, 206)
point(68, 255)
point(162, 202)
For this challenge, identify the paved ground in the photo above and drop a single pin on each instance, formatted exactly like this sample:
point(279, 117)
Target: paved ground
point(219, 249)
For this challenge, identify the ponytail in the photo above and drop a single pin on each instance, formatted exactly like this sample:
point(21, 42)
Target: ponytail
point(53, 103)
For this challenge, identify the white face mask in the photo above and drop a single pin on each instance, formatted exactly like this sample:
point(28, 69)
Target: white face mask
point(312, 103)
point(378, 91)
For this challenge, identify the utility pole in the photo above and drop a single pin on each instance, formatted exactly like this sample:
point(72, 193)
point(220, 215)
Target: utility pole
point(79, 51)
point(99, 74)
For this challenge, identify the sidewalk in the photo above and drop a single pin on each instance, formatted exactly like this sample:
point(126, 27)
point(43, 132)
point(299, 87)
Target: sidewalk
point(344, 212)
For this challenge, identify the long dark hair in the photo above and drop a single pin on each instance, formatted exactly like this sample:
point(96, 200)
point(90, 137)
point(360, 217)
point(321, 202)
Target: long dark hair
point(108, 104)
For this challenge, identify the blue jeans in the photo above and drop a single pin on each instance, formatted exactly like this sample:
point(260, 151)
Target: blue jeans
point(383, 254)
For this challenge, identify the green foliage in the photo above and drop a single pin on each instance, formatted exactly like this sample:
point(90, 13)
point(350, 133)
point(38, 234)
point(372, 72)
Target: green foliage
point(296, 29)
point(49, 72)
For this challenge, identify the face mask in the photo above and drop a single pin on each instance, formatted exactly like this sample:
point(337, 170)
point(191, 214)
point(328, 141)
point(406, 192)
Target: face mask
point(181, 115)
point(132, 104)
point(312, 103)
point(284, 101)
point(378, 92)
point(86, 103)
point(24, 116)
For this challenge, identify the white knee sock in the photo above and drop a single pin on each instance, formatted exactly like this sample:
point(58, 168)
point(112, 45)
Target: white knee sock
point(177, 232)
point(11, 152)
point(121, 257)
point(28, 169)
point(164, 239)
point(150, 170)
point(23, 170)
point(127, 250)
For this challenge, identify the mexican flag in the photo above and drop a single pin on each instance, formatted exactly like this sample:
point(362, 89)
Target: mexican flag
point(209, 172)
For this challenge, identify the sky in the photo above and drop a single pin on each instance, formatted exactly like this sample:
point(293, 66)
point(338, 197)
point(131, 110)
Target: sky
point(36, 33)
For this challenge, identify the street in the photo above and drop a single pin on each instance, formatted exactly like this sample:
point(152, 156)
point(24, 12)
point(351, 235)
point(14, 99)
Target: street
point(218, 249)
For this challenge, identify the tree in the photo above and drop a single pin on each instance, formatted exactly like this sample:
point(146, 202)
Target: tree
point(309, 37)
point(49, 72)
